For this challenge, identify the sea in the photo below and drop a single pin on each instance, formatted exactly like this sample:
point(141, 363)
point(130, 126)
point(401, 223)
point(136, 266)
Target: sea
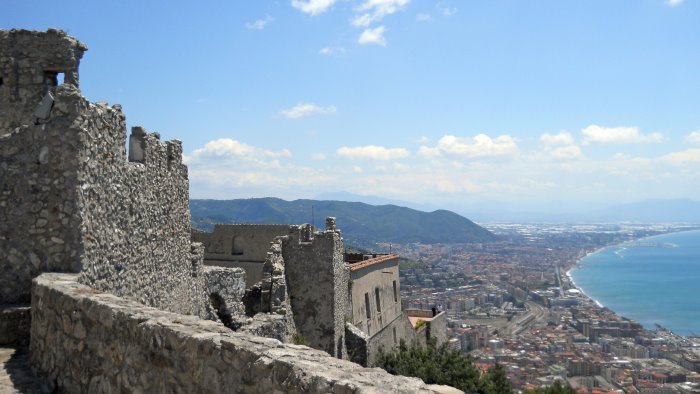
point(653, 280)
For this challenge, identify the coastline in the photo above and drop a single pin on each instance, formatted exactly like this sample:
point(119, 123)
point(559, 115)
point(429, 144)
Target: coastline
point(579, 264)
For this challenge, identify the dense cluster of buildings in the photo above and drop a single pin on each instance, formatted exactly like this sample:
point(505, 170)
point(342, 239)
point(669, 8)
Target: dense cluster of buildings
point(510, 302)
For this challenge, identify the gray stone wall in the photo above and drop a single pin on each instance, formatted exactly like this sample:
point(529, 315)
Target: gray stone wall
point(86, 341)
point(437, 328)
point(39, 211)
point(317, 284)
point(379, 277)
point(69, 199)
point(389, 338)
point(14, 325)
point(136, 222)
point(30, 62)
point(239, 242)
point(225, 288)
point(243, 246)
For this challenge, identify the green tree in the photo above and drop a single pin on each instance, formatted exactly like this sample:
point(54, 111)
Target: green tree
point(556, 388)
point(496, 381)
point(443, 365)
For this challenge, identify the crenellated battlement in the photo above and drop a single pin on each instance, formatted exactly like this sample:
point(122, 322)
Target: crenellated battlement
point(71, 200)
point(147, 148)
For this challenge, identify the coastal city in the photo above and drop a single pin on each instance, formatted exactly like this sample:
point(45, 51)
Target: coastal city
point(350, 196)
point(511, 302)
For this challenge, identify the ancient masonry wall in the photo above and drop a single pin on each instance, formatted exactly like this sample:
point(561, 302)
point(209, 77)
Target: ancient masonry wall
point(86, 341)
point(136, 222)
point(225, 288)
point(435, 327)
point(317, 284)
point(39, 219)
point(243, 246)
point(30, 63)
point(239, 242)
point(69, 199)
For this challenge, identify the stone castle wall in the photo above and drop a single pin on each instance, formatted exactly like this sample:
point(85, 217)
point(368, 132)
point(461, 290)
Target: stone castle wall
point(243, 246)
point(317, 284)
point(240, 242)
point(39, 211)
point(70, 201)
point(136, 222)
point(123, 315)
point(87, 341)
point(30, 63)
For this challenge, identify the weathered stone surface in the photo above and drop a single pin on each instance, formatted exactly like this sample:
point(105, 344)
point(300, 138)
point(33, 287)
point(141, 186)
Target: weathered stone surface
point(317, 283)
point(15, 321)
point(30, 62)
point(131, 347)
point(225, 288)
point(69, 199)
point(126, 320)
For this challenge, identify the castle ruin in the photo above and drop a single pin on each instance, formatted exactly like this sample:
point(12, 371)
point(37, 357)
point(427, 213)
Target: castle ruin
point(348, 304)
point(101, 277)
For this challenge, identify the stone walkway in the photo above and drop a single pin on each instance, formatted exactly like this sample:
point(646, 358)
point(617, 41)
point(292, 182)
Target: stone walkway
point(15, 374)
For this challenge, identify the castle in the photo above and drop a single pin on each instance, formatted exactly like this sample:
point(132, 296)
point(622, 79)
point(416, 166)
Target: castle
point(346, 304)
point(101, 276)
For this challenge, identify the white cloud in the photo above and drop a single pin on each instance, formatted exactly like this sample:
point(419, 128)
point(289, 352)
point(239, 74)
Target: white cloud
point(423, 140)
point(230, 148)
point(357, 170)
point(566, 152)
point(372, 152)
point(306, 109)
point(480, 145)
point(260, 23)
point(318, 156)
point(330, 51)
point(693, 138)
point(563, 138)
point(673, 3)
point(313, 7)
point(428, 151)
point(686, 156)
point(373, 36)
point(423, 17)
point(561, 146)
point(618, 135)
point(375, 10)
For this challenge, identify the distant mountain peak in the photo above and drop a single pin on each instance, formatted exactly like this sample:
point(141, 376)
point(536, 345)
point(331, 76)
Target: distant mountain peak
point(362, 224)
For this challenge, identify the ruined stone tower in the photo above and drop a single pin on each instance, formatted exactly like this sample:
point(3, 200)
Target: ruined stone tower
point(70, 201)
point(30, 67)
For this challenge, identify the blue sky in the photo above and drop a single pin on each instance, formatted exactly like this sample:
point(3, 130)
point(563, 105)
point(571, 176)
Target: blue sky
point(530, 104)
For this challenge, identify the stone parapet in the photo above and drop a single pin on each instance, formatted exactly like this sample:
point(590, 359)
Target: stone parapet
point(15, 321)
point(86, 341)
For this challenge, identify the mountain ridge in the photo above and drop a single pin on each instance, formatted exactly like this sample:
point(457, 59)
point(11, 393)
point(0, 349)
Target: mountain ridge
point(361, 224)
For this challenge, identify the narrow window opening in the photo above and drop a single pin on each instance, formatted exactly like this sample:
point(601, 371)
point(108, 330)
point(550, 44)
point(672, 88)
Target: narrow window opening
point(368, 311)
point(236, 246)
point(53, 78)
point(0, 81)
point(394, 329)
point(396, 296)
point(379, 305)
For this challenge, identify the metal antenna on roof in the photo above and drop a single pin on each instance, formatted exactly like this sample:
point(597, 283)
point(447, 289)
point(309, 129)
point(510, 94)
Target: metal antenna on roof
point(313, 223)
